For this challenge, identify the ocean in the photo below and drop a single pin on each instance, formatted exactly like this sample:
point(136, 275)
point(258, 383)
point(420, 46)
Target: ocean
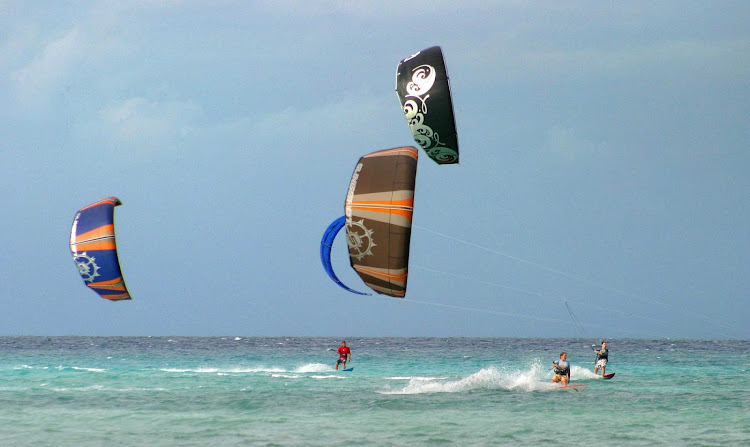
point(283, 391)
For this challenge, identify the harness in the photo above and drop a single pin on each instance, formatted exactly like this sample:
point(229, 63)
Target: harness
point(562, 371)
point(602, 355)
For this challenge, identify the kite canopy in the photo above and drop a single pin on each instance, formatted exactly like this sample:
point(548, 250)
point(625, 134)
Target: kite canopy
point(378, 211)
point(325, 252)
point(422, 80)
point(94, 250)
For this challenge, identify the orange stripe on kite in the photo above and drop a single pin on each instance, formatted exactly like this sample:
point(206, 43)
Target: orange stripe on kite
point(396, 277)
point(387, 290)
point(408, 150)
point(98, 245)
point(106, 289)
point(403, 202)
point(96, 233)
point(108, 282)
point(109, 200)
point(404, 213)
point(122, 296)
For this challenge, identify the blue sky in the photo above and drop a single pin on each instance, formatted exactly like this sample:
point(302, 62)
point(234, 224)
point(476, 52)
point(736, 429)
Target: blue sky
point(604, 164)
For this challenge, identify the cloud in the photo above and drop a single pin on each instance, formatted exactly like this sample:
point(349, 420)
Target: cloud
point(675, 59)
point(383, 9)
point(673, 56)
point(358, 115)
point(46, 47)
point(37, 79)
point(566, 142)
point(138, 120)
point(17, 45)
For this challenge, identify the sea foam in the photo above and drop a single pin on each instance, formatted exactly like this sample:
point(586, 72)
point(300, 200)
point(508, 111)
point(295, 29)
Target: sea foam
point(486, 378)
point(314, 368)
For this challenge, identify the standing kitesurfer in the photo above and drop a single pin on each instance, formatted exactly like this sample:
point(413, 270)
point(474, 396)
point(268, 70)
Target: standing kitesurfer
point(602, 355)
point(345, 355)
point(562, 369)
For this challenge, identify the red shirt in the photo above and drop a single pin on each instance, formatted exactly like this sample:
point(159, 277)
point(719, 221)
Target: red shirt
point(344, 350)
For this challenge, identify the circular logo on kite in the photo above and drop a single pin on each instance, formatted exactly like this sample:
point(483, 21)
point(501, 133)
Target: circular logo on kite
point(359, 239)
point(86, 266)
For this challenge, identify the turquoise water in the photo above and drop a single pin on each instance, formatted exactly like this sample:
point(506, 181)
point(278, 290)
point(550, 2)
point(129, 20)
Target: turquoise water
point(234, 391)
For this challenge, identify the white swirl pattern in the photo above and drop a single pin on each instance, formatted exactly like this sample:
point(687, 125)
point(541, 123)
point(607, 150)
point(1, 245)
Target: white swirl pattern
point(423, 78)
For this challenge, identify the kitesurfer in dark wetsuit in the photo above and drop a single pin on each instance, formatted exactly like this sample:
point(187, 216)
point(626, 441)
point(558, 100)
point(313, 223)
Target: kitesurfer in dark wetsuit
point(602, 356)
point(562, 370)
point(345, 355)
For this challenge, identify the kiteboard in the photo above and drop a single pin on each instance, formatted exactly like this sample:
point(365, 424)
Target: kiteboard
point(348, 369)
point(608, 376)
point(574, 388)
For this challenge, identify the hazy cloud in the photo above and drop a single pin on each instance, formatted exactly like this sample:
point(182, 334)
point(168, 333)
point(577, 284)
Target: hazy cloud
point(567, 142)
point(35, 80)
point(140, 120)
point(680, 58)
point(361, 110)
point(381, 9)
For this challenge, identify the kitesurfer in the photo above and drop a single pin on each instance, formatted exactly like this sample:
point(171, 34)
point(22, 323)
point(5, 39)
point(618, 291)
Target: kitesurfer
point(602, 355)
point(562, 369)
point(345, 355)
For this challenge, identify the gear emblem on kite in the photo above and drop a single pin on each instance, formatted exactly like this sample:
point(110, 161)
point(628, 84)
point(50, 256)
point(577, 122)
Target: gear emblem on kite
point(359, 239)
point(86, 266)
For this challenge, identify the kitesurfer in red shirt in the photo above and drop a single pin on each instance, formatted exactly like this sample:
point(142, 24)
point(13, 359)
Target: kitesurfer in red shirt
point(345, 355)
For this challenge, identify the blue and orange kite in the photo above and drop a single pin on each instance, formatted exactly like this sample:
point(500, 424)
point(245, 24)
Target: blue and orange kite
point(94, 250)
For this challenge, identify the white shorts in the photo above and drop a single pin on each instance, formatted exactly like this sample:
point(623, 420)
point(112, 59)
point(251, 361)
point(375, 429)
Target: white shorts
point(601, 363)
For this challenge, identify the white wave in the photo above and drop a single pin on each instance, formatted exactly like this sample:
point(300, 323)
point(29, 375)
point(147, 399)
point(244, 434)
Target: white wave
point(24, 367)
point(85, 388)
point(286, 376)
point(260, 369)
point(237, 338)
point(314, 367)
point(97, 370)
point(327, 377)
point(415, 378)
point(579, 373)
point(78, 368)
point(106, 388)
point(486, 378)
point(131, 389)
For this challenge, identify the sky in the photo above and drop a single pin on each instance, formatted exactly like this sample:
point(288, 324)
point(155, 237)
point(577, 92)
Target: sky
point(603, 189)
